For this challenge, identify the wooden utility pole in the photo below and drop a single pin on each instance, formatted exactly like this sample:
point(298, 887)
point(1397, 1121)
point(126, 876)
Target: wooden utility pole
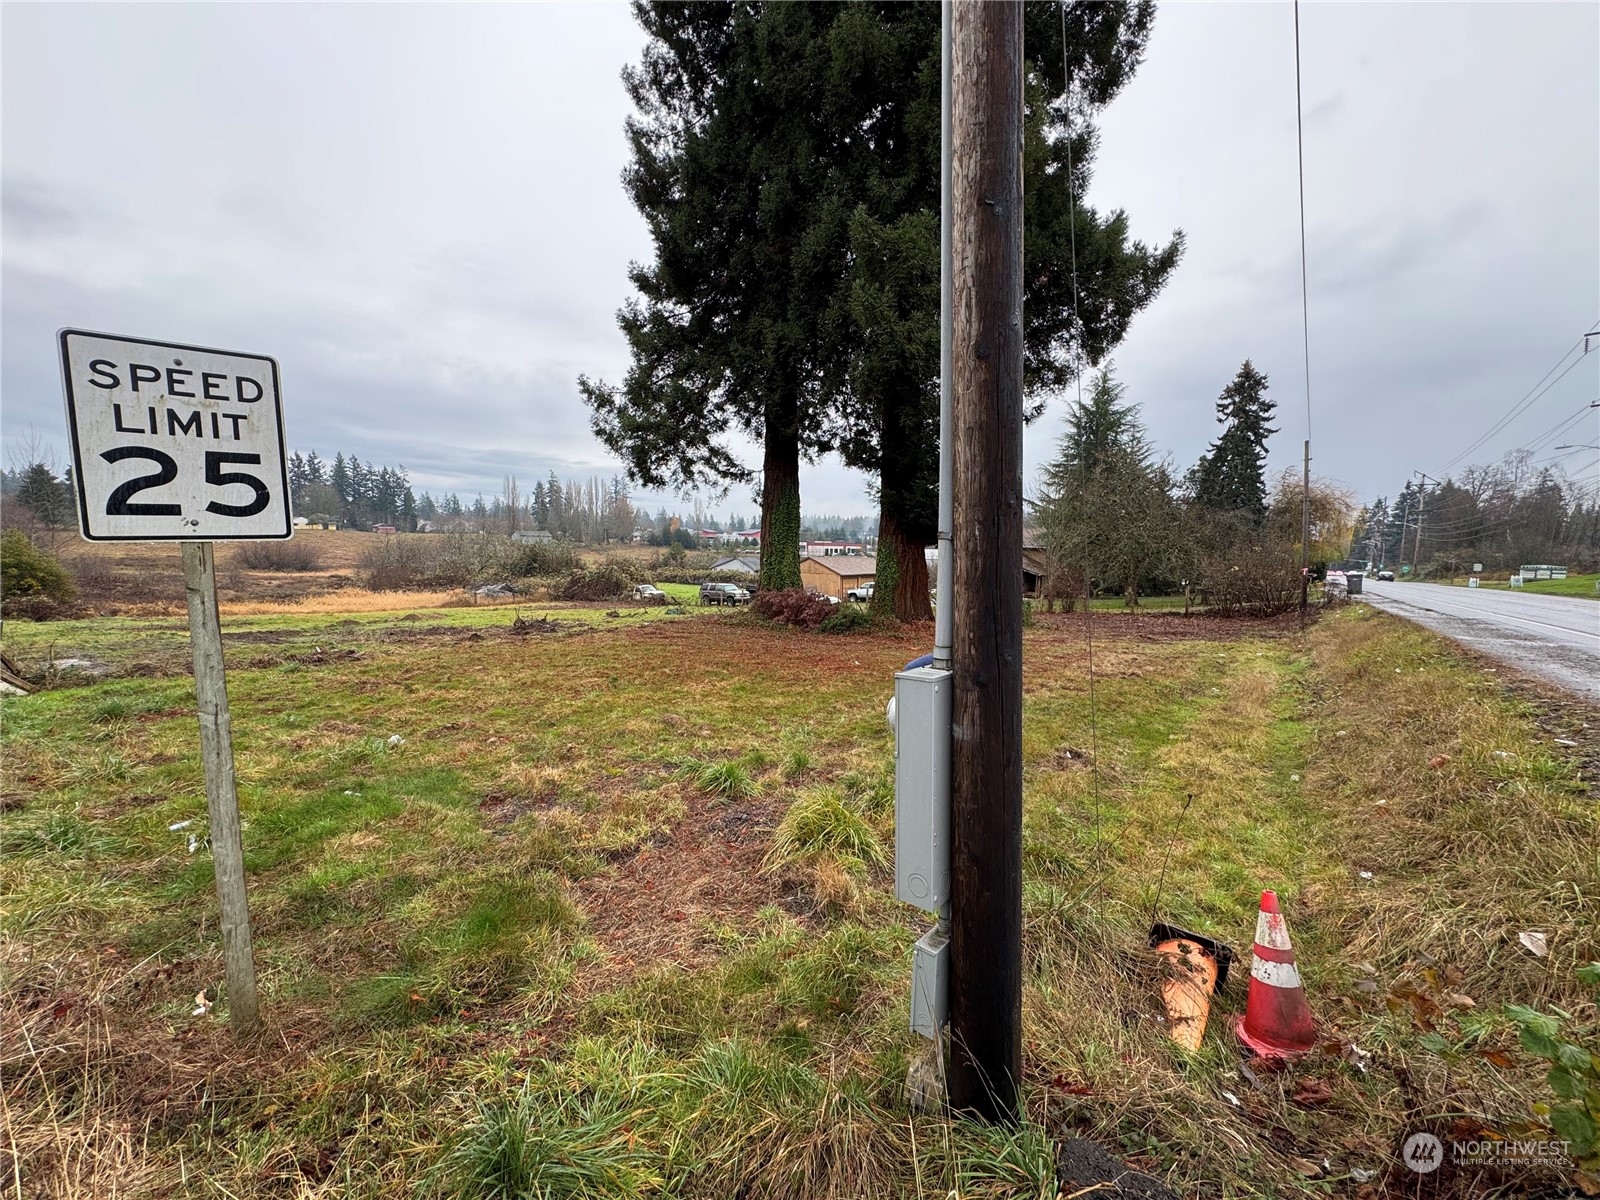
point(1305, 537)
point(986, 752)
point(1422, 501)
point(222, 799)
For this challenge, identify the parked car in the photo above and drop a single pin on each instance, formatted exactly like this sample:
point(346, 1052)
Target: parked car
point(860, 594)
point(1387, 576)
point(649, 593)
point(723, 593)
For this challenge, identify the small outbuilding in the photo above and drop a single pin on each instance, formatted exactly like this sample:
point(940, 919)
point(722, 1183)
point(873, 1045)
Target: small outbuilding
point(838, 573)
point(532, 536)
point(1035, 569)
point(739, 564)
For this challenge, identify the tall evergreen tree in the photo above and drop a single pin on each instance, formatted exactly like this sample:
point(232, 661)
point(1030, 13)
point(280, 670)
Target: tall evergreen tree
point(1231, 475)
point(787, 158)
point(46, 497)
point(1102, 426)
point(732, 167)
point(1106, 512)
point(340, 478)
point(316, 469)
point(891, 415)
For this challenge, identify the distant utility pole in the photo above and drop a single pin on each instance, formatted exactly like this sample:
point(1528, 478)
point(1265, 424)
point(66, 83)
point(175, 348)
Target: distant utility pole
point(1422, 496)
point(1305, 536)
point(986, 752)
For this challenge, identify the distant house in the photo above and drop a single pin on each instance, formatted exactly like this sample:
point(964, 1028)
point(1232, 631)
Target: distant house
point(830, 549)
point(1034, 565)
point(836, 574)
point(744, 566)
point(532, 535)
point(384, 529)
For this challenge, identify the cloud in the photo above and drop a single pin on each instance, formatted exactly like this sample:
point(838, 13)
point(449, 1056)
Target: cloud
point(417, 210)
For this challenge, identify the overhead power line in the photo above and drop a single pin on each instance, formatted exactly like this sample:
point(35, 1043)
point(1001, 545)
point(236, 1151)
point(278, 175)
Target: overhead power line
point(1529, 399)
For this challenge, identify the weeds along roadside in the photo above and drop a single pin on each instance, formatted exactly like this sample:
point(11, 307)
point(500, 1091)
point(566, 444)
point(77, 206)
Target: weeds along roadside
point(779, 1061)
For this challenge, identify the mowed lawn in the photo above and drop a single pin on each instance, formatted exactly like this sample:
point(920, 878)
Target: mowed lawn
point(600, 907)
point(1587, 586)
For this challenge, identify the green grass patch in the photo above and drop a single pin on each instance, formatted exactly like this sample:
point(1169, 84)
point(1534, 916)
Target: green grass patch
point(607, 912)
point(1585, 586)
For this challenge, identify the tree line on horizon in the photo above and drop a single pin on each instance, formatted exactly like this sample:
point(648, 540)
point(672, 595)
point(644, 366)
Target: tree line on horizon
point(1502, 515)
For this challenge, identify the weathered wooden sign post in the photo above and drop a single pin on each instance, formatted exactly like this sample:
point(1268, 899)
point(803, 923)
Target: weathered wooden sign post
point(197, 436)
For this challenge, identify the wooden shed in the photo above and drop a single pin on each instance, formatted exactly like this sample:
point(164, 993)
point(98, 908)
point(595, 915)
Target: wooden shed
point(837, 574)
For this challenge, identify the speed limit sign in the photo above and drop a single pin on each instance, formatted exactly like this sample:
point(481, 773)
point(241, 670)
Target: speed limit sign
point(174, 443)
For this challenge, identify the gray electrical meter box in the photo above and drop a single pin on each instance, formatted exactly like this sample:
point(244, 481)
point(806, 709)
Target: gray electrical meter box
point(922, 787)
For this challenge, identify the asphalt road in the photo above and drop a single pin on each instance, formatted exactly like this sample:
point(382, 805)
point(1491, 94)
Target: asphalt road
point(1554, 638)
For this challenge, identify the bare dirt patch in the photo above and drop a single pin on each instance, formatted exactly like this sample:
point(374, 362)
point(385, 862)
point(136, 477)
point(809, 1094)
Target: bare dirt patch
point(1173, 626)
point(502, 808)
point(659, 906)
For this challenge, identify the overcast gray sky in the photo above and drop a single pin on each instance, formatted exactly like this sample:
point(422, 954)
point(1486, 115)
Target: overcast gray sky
point(417, 211)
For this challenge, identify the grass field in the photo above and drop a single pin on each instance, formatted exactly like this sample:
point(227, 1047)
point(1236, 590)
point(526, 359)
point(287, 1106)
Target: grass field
point(1587, 586)
point(600, 908)
point(146, 578)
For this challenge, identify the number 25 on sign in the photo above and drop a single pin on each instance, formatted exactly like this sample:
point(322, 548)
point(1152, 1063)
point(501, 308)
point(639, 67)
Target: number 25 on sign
point(174, 443)
point(179, 443)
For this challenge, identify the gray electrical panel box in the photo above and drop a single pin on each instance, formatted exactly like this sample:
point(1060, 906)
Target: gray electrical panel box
point(922, 787)
point(930, 984)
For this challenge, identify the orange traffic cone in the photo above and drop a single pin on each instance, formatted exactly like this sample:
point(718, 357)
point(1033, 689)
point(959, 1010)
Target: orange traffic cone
point(1277, 1021)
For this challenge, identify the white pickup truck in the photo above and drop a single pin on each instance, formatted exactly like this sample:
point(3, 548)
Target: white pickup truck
point(860, 594)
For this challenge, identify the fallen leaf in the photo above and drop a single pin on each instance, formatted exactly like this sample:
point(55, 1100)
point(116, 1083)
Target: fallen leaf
point(1306, 1167)
point(1535, 943)
point(1062, 1084)
point(1499, 1058)
point(1312, 1092)
point(1459, 1000)
point(1438, 760)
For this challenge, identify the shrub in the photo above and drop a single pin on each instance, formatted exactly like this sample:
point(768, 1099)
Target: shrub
point(1255, 578)
point(610, 580)
point(539, 558)
point(31, 574)
point(847, 618)
point(394, 565)
point(793, 606)
point(277, 556)
point(455, 560)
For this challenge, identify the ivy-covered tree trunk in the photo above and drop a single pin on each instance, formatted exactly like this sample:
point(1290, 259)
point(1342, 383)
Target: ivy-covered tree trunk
point(902, 582)
point(780, 506)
